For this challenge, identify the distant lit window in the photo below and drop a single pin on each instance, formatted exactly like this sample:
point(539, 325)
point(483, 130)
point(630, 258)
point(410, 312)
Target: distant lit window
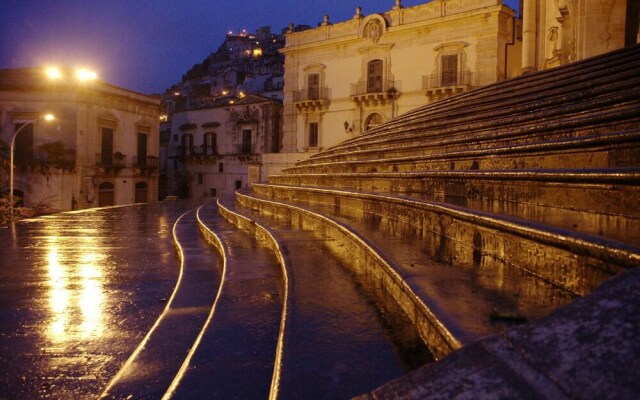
point(257, 52)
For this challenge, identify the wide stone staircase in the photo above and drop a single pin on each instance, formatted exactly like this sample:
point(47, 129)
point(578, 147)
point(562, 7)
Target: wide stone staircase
point(455, 222)
point(484, 210)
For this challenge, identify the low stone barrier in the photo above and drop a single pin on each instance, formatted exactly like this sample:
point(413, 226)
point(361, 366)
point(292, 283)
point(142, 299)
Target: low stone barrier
point(266, 237)
point(459, 236)
point(600, 202)
point(364, 259)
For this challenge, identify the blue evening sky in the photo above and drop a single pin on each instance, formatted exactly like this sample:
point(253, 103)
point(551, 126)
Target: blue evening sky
point(146, 45)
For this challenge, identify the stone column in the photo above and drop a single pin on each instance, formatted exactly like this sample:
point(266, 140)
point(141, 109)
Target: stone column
point(529, 35)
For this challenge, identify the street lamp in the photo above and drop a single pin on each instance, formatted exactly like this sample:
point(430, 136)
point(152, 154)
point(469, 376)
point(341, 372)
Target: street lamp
point(46, 117)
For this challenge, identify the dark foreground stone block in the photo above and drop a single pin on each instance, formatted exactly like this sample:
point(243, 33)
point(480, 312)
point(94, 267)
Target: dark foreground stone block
point(589, 349)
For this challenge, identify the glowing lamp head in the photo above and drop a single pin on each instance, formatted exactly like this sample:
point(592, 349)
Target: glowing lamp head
point(49, 117)
point(53, 73)
point(85, 75)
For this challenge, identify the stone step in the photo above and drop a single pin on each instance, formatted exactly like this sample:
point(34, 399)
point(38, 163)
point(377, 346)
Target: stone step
point(503, 95)
point(236, 353)
point(457, 235)
point(509, 132)
point(153, 367)
point(582, 351)
point(333, 339)
point(467, 300)
point(565, 75)
point(618, 149)
point(595, 201)
point(616, 112)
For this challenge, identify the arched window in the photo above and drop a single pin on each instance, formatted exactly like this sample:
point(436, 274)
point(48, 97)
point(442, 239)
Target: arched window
point(106, 194)
point(372, 121)
point(141, 192)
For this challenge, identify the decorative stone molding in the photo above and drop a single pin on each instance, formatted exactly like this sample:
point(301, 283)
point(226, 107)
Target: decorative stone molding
point(373, 27)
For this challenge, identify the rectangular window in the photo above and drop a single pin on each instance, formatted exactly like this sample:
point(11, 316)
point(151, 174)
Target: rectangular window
point(106, 150)
point(200, 178)
point(210, 143)
point(142, 149)
point(187, 145)
point(313, 134)
point(23, 145)
point(313, 86)
point(374, 76)
point(246, 141)
point(450, 70)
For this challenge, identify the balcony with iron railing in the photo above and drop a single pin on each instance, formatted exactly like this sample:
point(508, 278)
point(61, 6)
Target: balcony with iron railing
point(202, 153)
point(111, 161)
point(437, 86)
point(311, 98)
point(149, 163)
point(246, 152)
point(377, 92)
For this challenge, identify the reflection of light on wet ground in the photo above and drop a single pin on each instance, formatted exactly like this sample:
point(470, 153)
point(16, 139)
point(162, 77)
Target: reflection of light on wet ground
point(92, 296)
point(58, 294)
point(76, 294)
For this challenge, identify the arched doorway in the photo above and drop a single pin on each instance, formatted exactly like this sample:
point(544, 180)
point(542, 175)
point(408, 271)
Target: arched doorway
point(106, 194)
point(141, 192)
point(372, 121)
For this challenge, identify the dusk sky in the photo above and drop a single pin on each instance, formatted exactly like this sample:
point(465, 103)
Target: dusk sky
point(146, 45)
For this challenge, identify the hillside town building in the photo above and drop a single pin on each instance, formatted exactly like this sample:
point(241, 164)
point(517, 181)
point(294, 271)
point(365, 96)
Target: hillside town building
point(212, 151)
point(100, 150)
point(224, 114)
point(243, 63)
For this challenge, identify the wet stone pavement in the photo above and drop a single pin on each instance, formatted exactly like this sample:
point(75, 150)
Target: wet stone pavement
point(341, 338)
point(78, 292)
point(99, 304)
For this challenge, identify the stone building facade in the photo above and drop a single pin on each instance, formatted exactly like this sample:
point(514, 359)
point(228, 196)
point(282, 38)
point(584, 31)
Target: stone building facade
point(101, 149)
point(557, 32)
point(343, 79)
point(213, 151)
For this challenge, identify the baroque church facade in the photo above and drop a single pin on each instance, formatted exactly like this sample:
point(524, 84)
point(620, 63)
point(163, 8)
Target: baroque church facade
point(343, 79)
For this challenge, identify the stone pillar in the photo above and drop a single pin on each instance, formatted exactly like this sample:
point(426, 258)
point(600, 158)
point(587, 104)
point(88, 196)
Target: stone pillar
point(529, 35)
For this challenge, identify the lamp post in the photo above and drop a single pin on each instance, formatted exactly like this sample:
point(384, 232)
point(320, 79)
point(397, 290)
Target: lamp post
point(47, 117)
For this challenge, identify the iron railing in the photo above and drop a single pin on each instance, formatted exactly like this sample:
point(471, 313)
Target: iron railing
point(309, 94)
point(435, 81)
point(383, 86)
